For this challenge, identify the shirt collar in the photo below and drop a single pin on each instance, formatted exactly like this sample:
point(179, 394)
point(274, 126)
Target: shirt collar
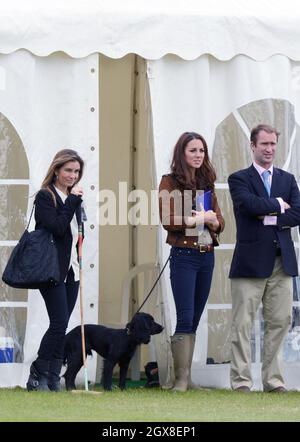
point(61, 194)
point(260, 169)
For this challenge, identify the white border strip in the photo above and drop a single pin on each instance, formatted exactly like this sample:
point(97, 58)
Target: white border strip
point(13, 304)
point(14, 182)
point(221, 186)
point(242, 124)
point(8, 243)
point(225, 247)
point(229, 306)
point(292, 142)
point(219, 306)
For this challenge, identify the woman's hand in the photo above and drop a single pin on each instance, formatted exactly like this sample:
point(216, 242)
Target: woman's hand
point(76, 190)
point(211, 220)
point(214, 226)
point(197, 219)
point(201, 217)
point(210, 217)
point(204, 217)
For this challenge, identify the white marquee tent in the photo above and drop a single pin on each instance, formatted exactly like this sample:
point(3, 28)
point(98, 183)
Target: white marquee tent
point(121, 81)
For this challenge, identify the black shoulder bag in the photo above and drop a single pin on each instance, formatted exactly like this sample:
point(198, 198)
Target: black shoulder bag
point(33, 263)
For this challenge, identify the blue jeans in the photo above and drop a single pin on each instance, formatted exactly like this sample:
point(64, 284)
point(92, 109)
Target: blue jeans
point(60, 301)
point(191, 275)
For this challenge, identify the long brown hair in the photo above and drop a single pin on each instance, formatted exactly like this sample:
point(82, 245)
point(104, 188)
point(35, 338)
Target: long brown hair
point(205, 175)
point(62, 157)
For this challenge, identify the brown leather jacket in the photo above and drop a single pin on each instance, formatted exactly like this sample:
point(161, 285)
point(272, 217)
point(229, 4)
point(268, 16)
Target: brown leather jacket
point(172, 215)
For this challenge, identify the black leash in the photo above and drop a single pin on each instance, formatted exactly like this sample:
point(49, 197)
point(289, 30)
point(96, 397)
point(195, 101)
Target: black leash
point(158, 278)
point(154, 285)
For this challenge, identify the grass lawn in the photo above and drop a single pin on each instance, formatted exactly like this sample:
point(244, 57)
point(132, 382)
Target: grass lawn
point(146, 405)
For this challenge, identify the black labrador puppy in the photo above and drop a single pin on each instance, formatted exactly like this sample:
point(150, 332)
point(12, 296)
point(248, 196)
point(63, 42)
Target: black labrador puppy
point(114, 345)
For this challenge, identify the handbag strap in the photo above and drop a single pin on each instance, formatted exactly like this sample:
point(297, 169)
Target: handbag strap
point(30, 216)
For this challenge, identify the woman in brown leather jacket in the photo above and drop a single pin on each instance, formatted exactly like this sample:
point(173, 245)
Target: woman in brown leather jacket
point(190, 213)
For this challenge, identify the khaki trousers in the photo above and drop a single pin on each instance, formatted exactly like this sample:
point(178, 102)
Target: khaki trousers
point(276, 295)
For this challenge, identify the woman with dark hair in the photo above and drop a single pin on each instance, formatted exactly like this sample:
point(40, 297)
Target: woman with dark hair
point(193, 234)
point(57, 209)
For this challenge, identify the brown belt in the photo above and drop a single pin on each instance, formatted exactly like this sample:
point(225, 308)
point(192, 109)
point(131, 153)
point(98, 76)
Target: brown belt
point(205, 248)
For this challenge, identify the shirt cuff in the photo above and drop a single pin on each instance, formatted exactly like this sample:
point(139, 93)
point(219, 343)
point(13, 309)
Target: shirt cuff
point(280, 200)
point(270, 220)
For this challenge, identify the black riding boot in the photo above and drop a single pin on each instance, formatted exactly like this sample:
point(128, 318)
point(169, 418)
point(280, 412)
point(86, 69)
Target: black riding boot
point(54, 372)
point(38, 378)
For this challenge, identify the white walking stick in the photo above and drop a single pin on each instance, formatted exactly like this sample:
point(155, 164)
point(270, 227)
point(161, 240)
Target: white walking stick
point(80, 240)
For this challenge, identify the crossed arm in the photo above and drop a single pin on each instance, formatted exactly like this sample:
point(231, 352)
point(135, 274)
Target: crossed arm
point(257, 206)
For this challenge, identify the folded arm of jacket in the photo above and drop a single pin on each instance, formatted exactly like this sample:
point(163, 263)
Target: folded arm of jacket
point(291, 217)
point(220, 218)
point(170, 206)
point(47, 214)
point(246, 201)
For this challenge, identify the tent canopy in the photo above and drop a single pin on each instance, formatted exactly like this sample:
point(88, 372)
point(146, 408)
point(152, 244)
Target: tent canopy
point(188, 29)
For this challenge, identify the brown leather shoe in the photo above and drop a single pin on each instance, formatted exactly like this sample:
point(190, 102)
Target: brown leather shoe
point(243, 389)
point(278, 390)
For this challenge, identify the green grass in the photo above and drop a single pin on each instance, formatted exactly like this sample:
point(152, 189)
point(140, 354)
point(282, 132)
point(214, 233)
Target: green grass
point(146, 405)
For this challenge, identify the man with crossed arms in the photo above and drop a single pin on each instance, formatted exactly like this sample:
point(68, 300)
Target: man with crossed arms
point(266, 203)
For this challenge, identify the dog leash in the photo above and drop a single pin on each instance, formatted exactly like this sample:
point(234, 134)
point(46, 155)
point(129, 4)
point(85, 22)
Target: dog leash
point(154, 285)
point(158, 278)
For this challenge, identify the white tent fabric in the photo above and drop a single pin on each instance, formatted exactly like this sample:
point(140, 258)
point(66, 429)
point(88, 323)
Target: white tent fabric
point(222, 28)
point(198, 96)
point(48, 101)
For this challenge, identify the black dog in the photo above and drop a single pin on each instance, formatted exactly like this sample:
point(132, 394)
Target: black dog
point(114, 345)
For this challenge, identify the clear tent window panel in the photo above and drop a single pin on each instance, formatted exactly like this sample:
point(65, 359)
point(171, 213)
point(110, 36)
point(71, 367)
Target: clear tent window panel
point(14, 193)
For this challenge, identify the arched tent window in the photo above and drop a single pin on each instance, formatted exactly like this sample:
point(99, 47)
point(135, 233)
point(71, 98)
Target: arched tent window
point(14, 190)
